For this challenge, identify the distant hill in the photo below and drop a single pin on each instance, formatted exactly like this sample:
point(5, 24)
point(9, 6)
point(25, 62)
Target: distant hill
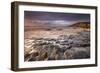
point(81, 24)
point(48, 28)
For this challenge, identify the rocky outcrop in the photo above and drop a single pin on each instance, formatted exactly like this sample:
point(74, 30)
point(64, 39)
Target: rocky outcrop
point(64, 47)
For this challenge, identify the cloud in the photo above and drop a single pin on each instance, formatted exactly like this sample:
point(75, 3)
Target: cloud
point(53, 22)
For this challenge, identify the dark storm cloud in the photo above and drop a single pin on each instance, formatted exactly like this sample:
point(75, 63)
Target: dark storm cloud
point(55, 17)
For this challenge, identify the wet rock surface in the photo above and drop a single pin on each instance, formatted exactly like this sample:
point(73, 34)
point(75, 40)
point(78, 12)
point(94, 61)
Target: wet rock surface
point(63, 48)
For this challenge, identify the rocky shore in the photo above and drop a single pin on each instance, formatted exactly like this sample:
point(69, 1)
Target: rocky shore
point(63, 48)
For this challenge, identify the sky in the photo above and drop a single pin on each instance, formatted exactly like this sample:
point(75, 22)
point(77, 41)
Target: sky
point(35, 18)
